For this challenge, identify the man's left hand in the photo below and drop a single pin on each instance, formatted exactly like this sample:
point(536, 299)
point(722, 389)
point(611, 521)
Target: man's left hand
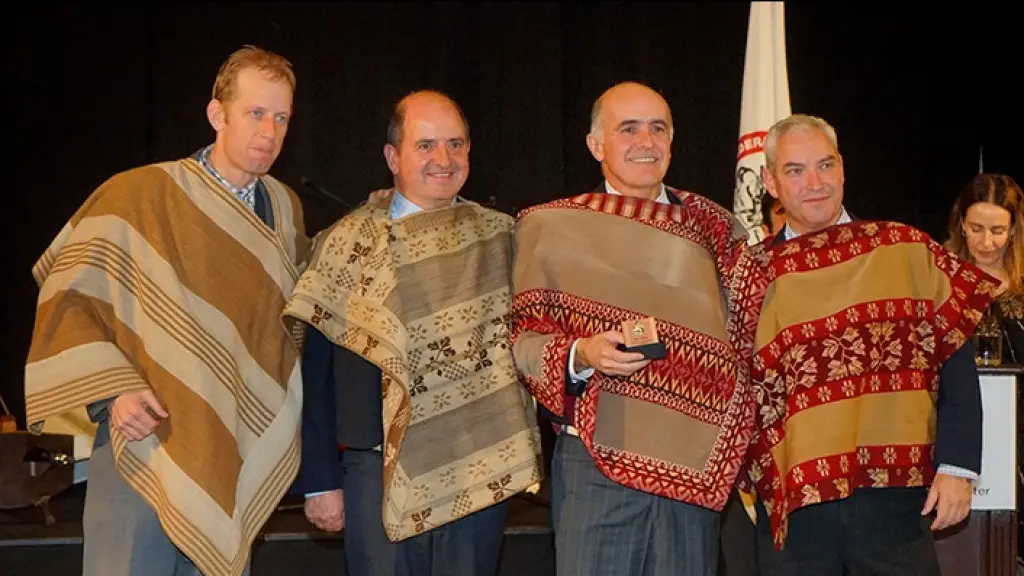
point(950, 497)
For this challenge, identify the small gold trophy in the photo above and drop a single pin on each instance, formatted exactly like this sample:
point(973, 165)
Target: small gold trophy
point(641, 335)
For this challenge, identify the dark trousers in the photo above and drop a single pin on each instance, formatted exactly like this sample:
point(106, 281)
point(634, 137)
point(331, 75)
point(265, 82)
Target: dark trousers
point(604, 528)
point(738, 556)
point(469, 546)
point(874, 532)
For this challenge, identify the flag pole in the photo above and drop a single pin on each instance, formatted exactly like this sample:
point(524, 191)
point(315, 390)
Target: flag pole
point(764, 101)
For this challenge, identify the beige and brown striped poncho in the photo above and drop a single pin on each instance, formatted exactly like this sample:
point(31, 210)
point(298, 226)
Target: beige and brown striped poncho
point(164, 279)
point(426, 299)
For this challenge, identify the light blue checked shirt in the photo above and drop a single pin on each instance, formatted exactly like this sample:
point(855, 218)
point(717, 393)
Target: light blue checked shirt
point(247, 194)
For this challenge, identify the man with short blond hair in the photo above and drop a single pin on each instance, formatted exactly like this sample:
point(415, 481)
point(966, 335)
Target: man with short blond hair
point(158, 313)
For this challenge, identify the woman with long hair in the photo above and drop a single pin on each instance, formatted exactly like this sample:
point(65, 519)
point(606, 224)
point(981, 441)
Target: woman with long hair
point(986, 227)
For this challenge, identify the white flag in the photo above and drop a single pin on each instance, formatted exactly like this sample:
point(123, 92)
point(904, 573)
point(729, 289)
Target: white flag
point(765, 101)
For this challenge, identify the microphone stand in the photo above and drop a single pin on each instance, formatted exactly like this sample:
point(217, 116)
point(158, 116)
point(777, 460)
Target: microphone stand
point(323, 192)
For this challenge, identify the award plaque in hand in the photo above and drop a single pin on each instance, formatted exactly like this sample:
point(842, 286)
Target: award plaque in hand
point(641, 335)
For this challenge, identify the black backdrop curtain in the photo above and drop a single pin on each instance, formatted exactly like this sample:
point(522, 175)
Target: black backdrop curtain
point(93, 90)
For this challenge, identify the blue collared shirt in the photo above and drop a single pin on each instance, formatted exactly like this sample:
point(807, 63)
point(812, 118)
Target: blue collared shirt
point(402, 207)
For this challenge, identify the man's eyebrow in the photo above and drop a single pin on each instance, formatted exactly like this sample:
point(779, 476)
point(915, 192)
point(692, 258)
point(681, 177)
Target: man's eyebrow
point(634, 122)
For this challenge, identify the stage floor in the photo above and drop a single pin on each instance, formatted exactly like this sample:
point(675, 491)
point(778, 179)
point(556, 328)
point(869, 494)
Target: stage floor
point(287, 544)
point(528, 514)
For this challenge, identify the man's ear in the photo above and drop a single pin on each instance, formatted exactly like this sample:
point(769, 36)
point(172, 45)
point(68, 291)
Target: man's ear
point(769, 182)
point(391, 157)
point(216, 114)
point(596, 147)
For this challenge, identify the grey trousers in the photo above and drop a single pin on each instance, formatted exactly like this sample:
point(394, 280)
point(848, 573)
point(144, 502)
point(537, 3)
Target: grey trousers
point(122, 534)
point(603, 528)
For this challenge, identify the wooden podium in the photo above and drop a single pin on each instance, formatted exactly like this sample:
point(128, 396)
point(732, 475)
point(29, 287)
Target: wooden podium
point(986, 543)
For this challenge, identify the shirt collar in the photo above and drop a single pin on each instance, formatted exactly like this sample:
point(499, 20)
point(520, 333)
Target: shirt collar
point(662, 195)
point(402, 207)
point(844, 218)
point(245, 193)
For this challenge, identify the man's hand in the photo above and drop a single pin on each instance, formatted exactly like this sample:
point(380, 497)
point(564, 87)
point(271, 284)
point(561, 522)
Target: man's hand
point(326, 511)
point(136, 414)
point(951, 497)
point(599, 352)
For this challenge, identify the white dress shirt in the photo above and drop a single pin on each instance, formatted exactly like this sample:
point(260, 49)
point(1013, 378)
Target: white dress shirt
point(844, 218)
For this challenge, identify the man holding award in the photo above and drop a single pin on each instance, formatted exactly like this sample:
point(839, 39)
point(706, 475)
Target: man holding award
point(633, 322)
